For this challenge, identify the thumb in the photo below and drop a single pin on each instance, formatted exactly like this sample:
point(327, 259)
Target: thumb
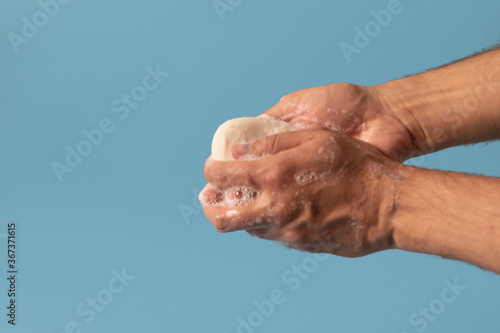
point(272, 144)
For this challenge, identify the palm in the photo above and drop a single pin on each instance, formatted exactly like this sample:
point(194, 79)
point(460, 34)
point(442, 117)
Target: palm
point(353, 110)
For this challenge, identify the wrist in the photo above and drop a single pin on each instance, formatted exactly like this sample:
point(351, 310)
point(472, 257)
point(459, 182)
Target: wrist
point(414, 105)
point(385, 178)
point(390, 180)
point(409, 215)
point(415, 220)
point(449, 106)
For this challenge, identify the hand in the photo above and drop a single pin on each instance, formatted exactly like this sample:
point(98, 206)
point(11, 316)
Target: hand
point(315, 190)
point(357, 111)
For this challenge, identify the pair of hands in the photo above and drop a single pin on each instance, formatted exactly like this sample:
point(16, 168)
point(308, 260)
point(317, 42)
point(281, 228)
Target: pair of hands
point(331, 188)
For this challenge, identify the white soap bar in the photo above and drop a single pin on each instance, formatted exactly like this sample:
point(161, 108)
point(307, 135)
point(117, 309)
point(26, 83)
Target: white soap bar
point(244, 130)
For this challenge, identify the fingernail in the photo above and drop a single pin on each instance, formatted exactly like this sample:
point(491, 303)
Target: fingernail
point(241, 149)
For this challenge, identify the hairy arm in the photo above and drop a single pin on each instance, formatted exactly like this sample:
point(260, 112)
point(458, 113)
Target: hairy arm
point(453, 215)
point(450, 214)
point(449, 106)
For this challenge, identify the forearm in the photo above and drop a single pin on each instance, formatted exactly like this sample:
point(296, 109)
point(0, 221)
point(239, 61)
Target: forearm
point(449, 214)
point(449, 106)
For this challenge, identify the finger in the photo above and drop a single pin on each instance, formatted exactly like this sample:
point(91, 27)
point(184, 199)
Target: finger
point(251, 212)
point(286, 239)
point(228, 174)
point(312, 248)
point(273, 144)
point(265, 232)
point(240, 217)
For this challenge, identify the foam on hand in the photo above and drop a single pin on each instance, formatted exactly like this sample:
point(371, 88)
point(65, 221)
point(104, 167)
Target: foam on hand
point(244, 130)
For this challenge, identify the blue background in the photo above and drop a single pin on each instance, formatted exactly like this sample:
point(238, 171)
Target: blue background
point(122, 206)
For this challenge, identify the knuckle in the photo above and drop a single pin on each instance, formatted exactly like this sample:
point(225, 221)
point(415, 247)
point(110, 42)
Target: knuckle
point(272, 176)
point(280, 213)
point(244, 173)
point(277, 175)
point(272, 144)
